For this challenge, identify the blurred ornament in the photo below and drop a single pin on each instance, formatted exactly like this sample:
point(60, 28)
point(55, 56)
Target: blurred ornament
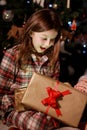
point(42, 3)
point(7, 15)
point(55, 6)
point(68, 4)
point(74, 25)
point(3, 2)
point(39, 2)
point(50, 5)
point(28, 1)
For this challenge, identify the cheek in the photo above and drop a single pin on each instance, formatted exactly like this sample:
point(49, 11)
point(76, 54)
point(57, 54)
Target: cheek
point(35, 40)
point(35, 43)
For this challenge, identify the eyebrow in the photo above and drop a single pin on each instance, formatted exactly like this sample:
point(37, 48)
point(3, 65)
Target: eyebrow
point(47, 36)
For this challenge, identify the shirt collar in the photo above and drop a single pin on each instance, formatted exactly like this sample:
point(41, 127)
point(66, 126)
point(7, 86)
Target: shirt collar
point(43, 59)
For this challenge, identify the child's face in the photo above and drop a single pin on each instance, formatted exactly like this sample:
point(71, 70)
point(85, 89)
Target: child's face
point(43, 40)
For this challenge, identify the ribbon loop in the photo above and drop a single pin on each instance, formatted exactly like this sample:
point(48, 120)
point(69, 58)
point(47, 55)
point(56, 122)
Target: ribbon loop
point(51, 101)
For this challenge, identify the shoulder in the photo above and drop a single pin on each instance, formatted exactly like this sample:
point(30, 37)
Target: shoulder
point(11, 52)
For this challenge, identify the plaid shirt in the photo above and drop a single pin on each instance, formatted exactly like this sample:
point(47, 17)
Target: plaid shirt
point(8, 70)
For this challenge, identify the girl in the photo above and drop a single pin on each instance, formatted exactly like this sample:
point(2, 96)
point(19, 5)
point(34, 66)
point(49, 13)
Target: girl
point(37, 50)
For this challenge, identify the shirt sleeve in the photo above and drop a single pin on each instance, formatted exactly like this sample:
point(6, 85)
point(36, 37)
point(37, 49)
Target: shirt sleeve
point(7, 68)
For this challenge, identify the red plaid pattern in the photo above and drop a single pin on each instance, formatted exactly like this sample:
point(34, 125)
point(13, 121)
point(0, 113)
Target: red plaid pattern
point(29, 119)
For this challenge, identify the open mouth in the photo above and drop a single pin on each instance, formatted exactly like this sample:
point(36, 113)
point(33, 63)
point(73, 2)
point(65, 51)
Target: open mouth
point(42, 48)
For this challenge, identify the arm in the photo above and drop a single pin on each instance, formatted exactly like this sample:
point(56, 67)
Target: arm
point(82, 83)
point(7, 69)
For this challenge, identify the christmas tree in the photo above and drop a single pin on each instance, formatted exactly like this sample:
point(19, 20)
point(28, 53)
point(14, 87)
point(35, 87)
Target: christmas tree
point(17, 12)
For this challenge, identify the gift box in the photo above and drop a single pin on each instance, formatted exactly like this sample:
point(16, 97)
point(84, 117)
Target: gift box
point(19, 93)
point(55, 98)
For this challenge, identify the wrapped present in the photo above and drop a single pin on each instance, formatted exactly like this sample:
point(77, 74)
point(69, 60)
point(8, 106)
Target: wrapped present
point(55, 98)
point(19, 93)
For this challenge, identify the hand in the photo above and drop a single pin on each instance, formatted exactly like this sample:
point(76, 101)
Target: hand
point(81, 86)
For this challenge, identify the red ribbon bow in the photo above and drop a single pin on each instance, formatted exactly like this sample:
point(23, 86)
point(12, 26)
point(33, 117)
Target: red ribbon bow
point(51, 101)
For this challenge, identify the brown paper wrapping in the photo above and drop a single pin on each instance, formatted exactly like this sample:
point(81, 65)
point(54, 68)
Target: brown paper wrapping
point(71, 105)
point(19, 93)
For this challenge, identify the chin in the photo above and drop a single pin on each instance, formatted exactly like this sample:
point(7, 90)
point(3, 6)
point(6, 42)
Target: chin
point(41, 52)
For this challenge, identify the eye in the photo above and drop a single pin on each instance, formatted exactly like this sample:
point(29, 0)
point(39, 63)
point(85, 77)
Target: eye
point(44, 39)
point(52, 40)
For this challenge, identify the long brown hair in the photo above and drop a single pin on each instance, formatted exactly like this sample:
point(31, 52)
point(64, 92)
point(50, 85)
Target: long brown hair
point(40, 21)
